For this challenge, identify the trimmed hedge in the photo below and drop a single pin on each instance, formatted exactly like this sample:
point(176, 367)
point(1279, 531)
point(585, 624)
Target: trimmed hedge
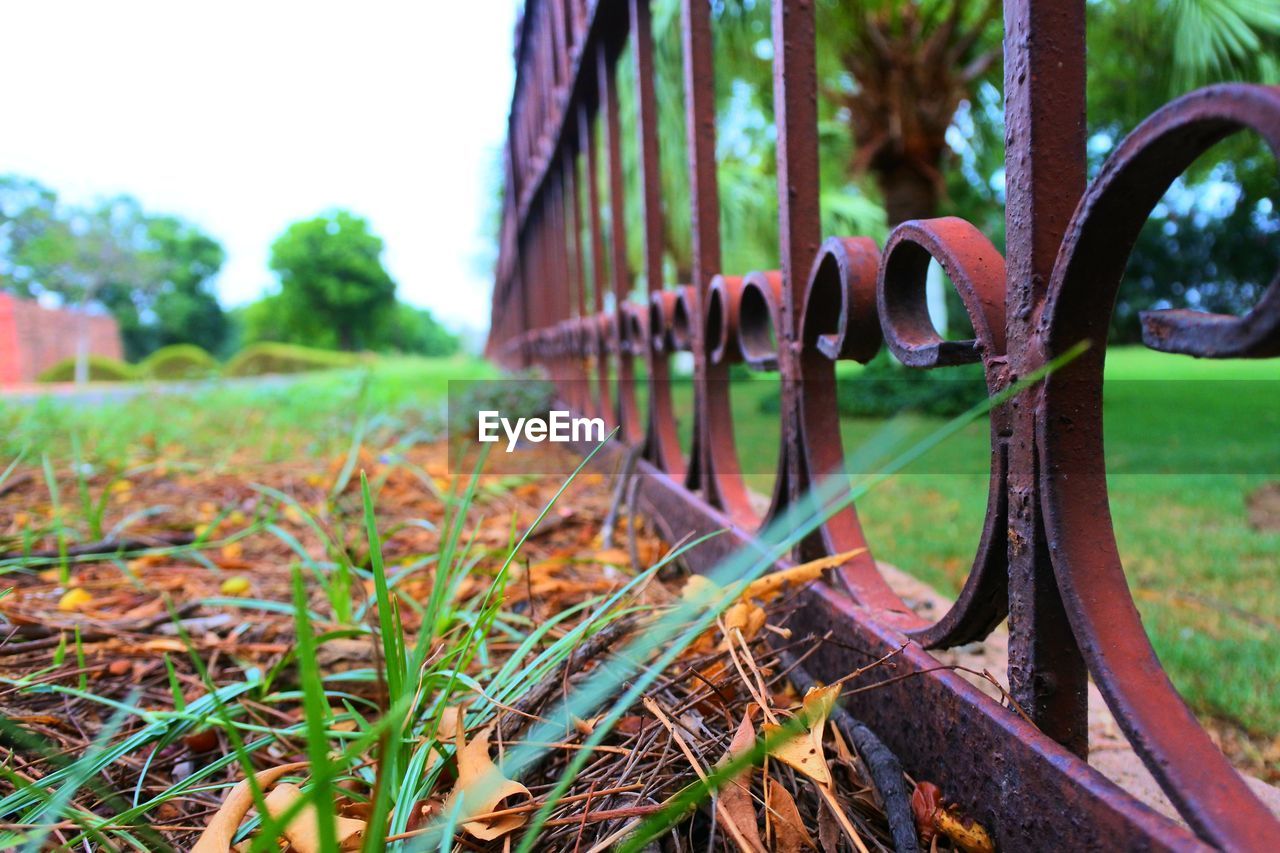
point(885, 388)
point(263, 358)
point(101, 369)
point(178, 361)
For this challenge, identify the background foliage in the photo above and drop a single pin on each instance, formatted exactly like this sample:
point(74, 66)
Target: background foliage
point(912, 126)
point(155, 273)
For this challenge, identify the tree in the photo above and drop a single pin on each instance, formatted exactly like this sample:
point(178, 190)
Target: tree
point(81, 252)
point(180, 307)
point(27, 210)
point(891, 75)
point(895, 73)
point(153, 273)
point(416, 330)
point(403, 329)
point(186, 309)
point(903, 70)
point(331, 267)
point(277, 318)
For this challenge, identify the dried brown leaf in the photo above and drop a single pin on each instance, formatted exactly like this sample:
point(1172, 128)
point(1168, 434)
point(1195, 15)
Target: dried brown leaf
point(771, 585)
point(925, 803)
point(303, 829)
point(735, 809)
point(804, 753)
point(485, 789)
point(222, 827)
point(746, 617)
point(789, 832)
point(967, 834)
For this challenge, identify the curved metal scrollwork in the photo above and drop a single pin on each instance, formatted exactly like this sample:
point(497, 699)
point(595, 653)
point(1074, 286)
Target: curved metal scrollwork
point(1086, 561)
point(977, 271)
point(845, 299)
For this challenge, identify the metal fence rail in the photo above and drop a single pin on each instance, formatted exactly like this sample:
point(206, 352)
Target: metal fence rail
point(1046, 557)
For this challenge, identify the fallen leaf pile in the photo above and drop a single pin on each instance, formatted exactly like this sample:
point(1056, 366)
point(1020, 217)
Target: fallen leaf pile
point(131, 627)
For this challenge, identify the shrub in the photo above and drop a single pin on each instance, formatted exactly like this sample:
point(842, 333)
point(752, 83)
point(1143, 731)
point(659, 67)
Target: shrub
point(101, 369)
point(885, 388)
point(178, 361)
point(888, 390)
point(264, 358)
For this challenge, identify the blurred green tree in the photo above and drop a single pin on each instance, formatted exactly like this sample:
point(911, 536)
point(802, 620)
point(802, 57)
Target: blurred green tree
point(277, 318)
point(153, 273)
point(180, 306)
point(330, 268)
point(79, 253)
point(27, 210)
point(409, 329)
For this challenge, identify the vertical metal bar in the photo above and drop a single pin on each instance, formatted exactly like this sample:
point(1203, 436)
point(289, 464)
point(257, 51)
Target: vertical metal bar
point(587, 130)
point(577, 22)
point(704, 203)
point(537, 285)
point(664, 442)
point(628, 416)
point(575, 229)
point(1045, 169)
point(557, 282)
point(795, 107)
point(559, 45)
point(581, 397)
point(569, 286)
point(569, 27)
point(700, 132)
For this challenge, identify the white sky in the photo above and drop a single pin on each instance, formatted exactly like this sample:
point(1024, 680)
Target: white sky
point(246, 116)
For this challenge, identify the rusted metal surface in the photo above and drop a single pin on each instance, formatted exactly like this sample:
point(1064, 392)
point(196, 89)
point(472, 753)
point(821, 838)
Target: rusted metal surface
point(1045, 557)
point(1029, 791)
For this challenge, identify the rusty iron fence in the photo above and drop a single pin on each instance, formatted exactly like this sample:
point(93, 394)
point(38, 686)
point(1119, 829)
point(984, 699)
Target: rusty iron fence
point(1046, 557)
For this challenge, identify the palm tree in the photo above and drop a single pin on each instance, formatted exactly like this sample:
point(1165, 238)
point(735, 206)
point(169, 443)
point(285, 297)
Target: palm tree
point(894, 72)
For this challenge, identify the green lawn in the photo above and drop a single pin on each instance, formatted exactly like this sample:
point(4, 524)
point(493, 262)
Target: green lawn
point(1187, 441)
point(275, 418)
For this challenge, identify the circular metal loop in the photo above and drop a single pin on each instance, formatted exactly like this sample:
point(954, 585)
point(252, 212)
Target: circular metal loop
point(683, 318)
point(662, 308)
point(975, 268)
point(977, 271)
point(1082, 289)
point(725, 484)
point(586, 335)
point(839, 317)
point(760, 318)
point(633, 320)
point(838, 321)
point(605, 326)
point(723, 303)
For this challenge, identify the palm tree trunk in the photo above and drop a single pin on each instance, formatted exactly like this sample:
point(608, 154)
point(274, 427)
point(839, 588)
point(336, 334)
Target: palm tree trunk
point(910, 195)
point(907, 193)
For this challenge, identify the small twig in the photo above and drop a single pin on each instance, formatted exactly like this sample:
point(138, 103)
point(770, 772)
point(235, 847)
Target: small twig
point(882, 764)
point(14, 484)
point(104, 548)
point(633, 546)
point(586, 807)
point(624, 476)
point(523, 808)
point(96, 635)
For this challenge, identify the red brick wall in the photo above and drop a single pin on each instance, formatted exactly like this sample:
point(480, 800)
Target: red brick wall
point(33, 338)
